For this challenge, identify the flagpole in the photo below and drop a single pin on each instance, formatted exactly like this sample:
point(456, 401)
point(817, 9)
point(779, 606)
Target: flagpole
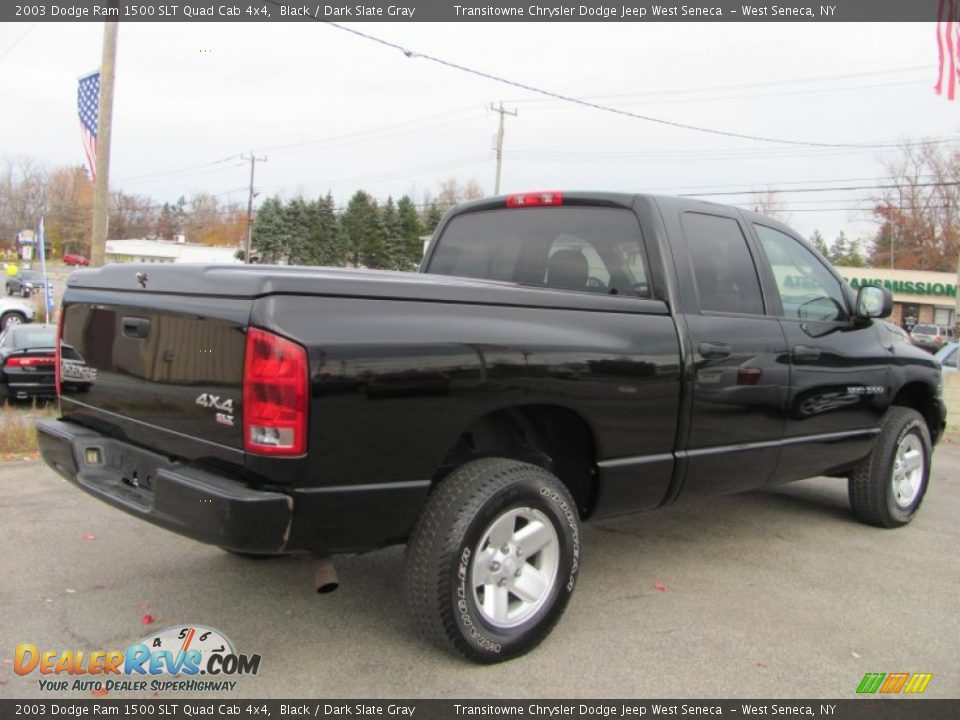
point(101, 190)
point(47, 290)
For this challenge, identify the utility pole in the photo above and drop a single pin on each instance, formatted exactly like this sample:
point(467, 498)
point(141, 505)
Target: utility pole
point(253, 164)
point(101, 188)
point(503, 112)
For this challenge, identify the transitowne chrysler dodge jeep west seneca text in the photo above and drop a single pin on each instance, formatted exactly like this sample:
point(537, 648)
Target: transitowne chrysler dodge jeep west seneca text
point(559, 356)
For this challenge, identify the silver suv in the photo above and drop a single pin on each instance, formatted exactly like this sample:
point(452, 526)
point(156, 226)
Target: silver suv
point(931, 337)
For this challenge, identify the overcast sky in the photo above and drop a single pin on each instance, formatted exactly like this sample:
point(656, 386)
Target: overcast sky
point(333, 111)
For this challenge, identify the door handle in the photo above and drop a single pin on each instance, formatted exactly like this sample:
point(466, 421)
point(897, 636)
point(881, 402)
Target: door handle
point(805, 352)
point(135, 327)
point(715, 350)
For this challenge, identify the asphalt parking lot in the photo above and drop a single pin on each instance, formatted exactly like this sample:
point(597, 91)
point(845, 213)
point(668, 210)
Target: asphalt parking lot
point(776, 594)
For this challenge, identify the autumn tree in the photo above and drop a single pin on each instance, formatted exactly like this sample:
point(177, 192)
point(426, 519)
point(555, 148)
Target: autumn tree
point(68, 218)
point(917, 211)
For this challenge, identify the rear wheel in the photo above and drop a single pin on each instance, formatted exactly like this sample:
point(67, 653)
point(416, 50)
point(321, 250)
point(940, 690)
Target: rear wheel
point(887, 488)
point(11, 319)
point(493, 559)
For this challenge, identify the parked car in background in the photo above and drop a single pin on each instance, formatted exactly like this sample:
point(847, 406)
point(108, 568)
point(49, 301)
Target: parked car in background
point(25, 283)
point(27, 361)
point(14, 311)
point(949, 357)
point(75, 260)
point(931, 337)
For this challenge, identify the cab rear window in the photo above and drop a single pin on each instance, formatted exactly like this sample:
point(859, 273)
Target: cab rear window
point(586, 249)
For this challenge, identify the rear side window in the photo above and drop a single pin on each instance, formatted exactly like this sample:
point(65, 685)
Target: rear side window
point(722, 265)
point(574, 248)
point(925, 329)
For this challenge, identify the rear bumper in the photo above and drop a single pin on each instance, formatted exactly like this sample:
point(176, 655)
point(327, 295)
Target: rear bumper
point(221, 510)
point(195, 503)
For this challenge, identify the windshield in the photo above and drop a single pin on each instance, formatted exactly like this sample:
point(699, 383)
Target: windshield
point(589, 249)
point(925, 329)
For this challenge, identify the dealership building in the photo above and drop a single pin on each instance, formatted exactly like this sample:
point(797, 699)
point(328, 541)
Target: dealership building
point(919, 296)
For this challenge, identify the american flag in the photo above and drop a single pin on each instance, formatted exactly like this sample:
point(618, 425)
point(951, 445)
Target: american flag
point(88, 107)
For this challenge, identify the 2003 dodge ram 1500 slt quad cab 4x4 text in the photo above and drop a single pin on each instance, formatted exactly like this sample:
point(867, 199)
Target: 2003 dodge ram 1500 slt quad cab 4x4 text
point(559, 356)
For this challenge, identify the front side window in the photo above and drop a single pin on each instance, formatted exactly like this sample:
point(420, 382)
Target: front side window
point(807, 289)
point(589, 249)
point(722, 266)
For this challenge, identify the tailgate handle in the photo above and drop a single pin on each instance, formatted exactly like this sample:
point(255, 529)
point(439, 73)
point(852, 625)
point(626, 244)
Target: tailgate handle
point(135, 327)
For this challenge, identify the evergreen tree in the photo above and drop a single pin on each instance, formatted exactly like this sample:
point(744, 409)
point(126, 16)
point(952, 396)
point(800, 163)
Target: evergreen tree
point(433, 216)
point(845, 252)
point(328, 248)
point(358, 223)
point(411, 230)
point(820, 244)
point(270, 232)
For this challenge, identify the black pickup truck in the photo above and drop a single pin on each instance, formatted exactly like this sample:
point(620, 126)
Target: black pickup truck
point(559, 357)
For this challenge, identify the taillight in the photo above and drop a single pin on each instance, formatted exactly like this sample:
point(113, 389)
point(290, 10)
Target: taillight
point(57, 355)
point(536, 199)
point(28, 361)
point(937, 339)
point(275, 395)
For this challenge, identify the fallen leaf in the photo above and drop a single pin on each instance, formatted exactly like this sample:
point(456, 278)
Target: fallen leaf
point(99, 693)
point(146, 619)
point(856, 655)
point(98, 586)
point(660, 586)
point(70, 590)
point(88, 537)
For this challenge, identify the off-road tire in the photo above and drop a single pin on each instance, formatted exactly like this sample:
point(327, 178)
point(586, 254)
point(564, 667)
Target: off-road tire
point(460, 513)
point(871, 486)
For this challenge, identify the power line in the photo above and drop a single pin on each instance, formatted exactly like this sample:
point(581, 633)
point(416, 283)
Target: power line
point(744, 86)
point(586, 103)
point(19, 40)
point(815, 189)
point(178, 171)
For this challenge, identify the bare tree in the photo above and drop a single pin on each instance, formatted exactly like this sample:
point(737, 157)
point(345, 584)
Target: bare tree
point(918, 215)
point(769, 203)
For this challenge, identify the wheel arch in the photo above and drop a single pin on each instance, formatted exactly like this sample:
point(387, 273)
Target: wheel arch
point(919, 396)
point(553, 437)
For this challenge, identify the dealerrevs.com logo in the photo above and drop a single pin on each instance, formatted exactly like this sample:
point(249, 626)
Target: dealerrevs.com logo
point(187, 658)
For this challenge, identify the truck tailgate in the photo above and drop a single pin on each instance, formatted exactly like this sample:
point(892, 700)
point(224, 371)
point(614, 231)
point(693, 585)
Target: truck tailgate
point(157, 369)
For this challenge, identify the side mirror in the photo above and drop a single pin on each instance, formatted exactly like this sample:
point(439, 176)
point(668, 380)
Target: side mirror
point(874, 301)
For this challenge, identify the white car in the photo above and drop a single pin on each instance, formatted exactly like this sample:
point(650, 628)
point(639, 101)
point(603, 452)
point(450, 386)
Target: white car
point(14, 311)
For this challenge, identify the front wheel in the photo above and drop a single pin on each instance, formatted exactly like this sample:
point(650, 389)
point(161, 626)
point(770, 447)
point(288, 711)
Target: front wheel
point(887, 488)
point(493, 559)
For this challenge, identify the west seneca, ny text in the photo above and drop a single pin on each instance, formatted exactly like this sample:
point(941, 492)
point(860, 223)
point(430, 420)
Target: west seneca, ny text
point(652, 11)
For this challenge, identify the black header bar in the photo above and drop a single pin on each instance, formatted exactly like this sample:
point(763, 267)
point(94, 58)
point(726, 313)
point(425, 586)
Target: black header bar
point(874, 708)
point(470, 10)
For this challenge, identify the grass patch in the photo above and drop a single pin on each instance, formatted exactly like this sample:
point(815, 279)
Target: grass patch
point(18, 429)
